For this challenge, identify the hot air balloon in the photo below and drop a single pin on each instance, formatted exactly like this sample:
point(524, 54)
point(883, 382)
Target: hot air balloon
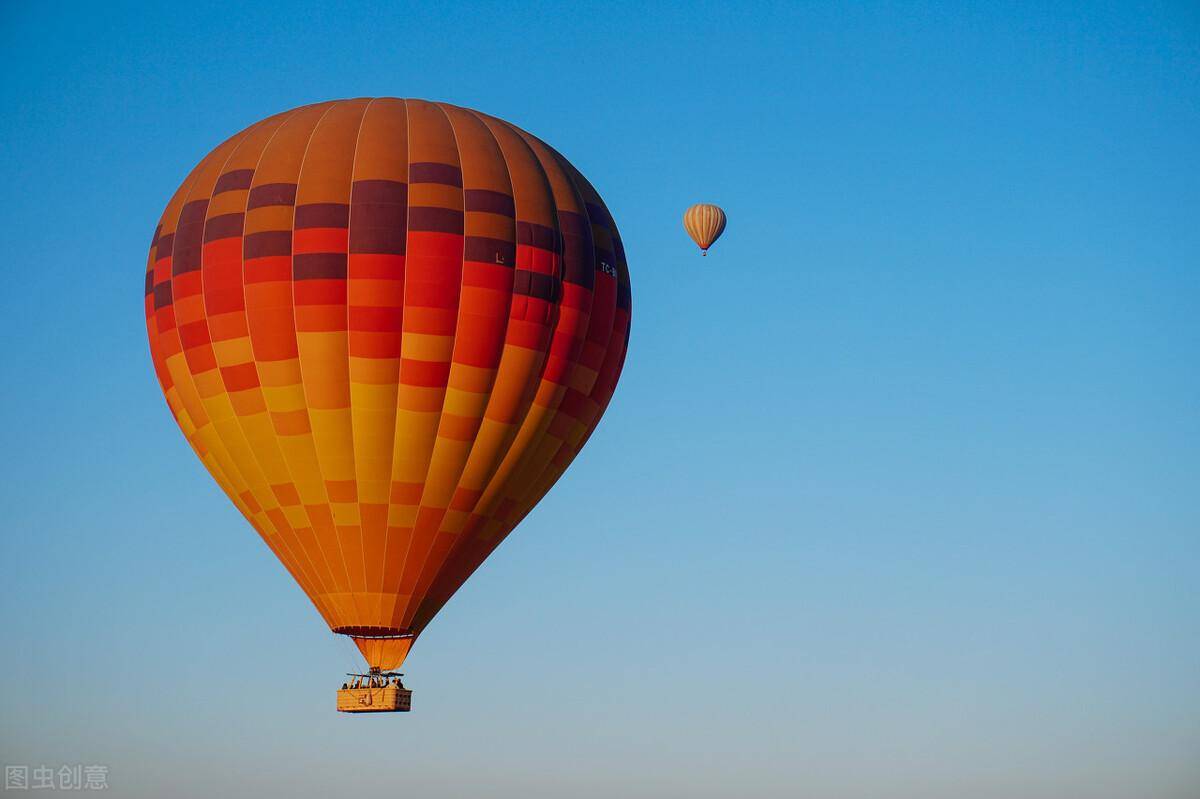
point(704, 223)
point(386, 327)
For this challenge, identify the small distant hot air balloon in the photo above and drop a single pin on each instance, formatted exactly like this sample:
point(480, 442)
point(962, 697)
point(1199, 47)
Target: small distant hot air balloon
point(704, 223)
point(386, 327)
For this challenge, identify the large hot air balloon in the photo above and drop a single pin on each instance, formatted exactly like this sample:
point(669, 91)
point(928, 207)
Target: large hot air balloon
point(386, 327)
point(704, 223)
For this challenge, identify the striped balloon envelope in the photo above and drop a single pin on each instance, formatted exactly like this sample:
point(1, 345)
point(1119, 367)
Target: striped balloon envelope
point(386, 327)
point(704, 223)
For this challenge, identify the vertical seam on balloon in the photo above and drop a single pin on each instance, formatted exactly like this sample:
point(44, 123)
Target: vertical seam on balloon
point(575, 176)
point(483, 118)
point(387, 539)
point(454, 340)
point(153, 340)
point(486, 120)
point(442, 593)
point(582, 201)
point(311, 576)
point(224, 482)
point(414, 602)
point(322, 579)
point(403, 300)
point(581, 331)
point(170, 281)
point(621, 351)
point(571, 174)
point(623, 344)
point(420, 505)
point(536, 381)
point(581, 182)
point(299, 361)
point(237, 500)
point(204, 227)
point(362, 539)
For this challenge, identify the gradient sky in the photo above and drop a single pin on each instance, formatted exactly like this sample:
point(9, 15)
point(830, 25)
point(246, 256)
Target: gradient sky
point(899, 494)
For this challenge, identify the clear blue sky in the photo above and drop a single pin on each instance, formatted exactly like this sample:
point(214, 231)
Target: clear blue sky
point(899, 494)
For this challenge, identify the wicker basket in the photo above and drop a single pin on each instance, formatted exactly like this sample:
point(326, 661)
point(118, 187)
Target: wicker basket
point(387, 699)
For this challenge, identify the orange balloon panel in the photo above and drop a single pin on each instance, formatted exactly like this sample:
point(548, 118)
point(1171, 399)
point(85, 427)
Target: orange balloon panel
point(386, 327)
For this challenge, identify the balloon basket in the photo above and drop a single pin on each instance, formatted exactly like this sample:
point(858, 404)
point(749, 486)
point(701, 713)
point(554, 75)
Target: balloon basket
point(376, 692)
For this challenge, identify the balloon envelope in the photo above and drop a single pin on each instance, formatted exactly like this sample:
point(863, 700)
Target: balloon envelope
point(704, 223)
point(386, 327)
